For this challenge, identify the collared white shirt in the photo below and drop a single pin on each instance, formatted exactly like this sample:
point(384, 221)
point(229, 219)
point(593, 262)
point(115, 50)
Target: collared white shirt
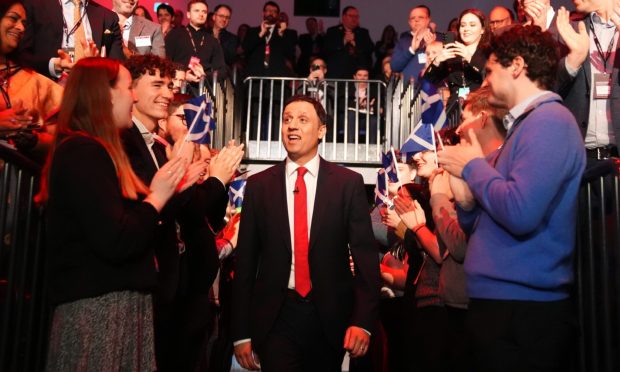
point(126, 29)
point(310, 178)
point(145, 133)
point(550, 15)
point(520, 108)
point(600, 129)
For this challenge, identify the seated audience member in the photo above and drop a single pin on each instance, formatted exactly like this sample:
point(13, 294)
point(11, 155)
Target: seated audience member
point(140, 34)
point(461, 63)
point(100, 220)
point(53, 44)
point(361, 108)
point(228, 41)
point(29, 100)
point(165, 17)
point(141, 11)
point(409, 55)
point(386, 70)
point(523, 203)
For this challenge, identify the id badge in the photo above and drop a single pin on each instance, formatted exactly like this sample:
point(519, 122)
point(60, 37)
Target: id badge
point(602, 86)
point(463, 92)
point(143, 41)
point(70, 52)
point(422, 58)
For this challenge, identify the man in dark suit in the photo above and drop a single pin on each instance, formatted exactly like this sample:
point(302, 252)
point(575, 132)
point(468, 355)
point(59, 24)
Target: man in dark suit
point(184, 243)
point(140, 36)
point(51, 27)
point(229, 41)
point(270, 48)
point(298, 303)
point(588, 77)
point(347, 46)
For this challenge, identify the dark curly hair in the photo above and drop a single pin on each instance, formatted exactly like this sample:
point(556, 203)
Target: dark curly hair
point(538, 49)
point(139, 65)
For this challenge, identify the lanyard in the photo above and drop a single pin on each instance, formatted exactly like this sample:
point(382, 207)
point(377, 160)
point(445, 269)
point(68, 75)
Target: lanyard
point(11, 70)
point(77, 24)
point(202, 41)
point(599, 48)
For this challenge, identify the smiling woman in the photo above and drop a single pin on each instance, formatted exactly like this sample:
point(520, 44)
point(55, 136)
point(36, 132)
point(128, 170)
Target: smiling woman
point(28, 99)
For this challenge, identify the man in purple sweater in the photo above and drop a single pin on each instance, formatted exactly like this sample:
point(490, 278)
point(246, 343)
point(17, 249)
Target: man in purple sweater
point(521, 219)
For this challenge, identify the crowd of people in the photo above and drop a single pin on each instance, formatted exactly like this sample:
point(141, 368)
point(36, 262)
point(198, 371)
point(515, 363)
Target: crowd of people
point(465, 266)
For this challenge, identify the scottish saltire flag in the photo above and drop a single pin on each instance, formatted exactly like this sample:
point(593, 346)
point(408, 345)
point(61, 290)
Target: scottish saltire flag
point(199, 118)
point(389, 165)
point(381, 194)
point(433, 119)
point(236, 190)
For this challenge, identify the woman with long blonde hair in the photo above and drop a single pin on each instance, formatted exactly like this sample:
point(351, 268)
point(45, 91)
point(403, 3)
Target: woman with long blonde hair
point(100, 218)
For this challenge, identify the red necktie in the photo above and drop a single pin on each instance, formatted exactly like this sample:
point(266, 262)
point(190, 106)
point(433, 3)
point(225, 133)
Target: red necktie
point(302, 269)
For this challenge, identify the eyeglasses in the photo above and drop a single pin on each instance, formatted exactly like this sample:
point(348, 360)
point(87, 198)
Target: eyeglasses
point(498, 22)
point(222, 16)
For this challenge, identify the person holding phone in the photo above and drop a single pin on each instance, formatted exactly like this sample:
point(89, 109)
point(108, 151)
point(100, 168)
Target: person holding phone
point(461, 62)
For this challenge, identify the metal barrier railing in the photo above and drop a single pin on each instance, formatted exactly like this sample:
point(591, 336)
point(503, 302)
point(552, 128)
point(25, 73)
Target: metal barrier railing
point(23, 307)
point(598, 268)
point(357, 129)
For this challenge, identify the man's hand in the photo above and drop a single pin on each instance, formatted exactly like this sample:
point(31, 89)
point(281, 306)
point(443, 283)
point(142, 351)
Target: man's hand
point(90, 48)
point(577, 42)
point(63, 62)
point(454, 158)
point(246, 357)
point(264, 27)
point(356, 341)
point(536, 13)
point(282, 27)
point(195, 73)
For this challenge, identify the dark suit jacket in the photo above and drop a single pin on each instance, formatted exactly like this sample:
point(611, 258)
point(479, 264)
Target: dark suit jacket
point(229, 43)
point(143, 27)
point(308, 48)
point(179, 49)
point(191, 209)
point(341, 63)
point(576, 90)
point(43, 36)
point(340, 222)
point(281, 53)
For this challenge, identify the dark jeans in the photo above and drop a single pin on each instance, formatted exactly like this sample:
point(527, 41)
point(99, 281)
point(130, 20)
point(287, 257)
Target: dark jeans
point(521, 335)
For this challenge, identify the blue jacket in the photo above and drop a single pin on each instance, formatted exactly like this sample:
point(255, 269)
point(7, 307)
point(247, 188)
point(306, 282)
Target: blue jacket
point(405, 62)
point(523, 228)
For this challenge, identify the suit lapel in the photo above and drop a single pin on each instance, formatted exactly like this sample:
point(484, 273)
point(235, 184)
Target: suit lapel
point(320, 202)
point(135, 30)
point(278, 192)
point(95, 18)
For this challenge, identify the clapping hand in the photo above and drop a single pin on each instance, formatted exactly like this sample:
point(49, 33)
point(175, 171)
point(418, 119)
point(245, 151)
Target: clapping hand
point(577, 42)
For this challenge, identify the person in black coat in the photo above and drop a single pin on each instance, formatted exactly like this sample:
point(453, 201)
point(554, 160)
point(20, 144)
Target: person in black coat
point(310, 45)
point(347, 46)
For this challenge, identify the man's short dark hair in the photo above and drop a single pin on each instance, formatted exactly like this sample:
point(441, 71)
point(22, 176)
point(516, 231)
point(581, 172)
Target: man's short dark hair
point(139, 65)
point(422, 6)
point(165, 7)
point(192, 2)
point(272, 3)
point(538, 49)
point(347, 8)
point(320, 111)
point(220, 6)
